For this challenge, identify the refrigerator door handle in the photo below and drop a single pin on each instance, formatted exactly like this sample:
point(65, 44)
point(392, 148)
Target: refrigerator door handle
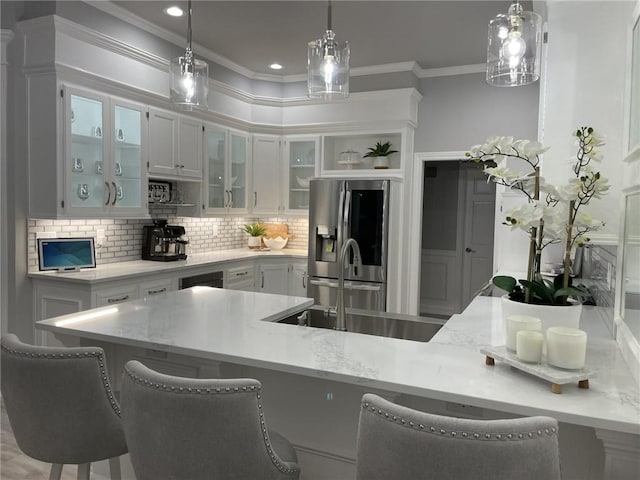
point(345, 219)
point(347, 285)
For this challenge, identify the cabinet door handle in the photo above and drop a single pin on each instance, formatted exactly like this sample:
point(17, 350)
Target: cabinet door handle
point(255, 199)
point(115, 193)
point(159, 290)
point(106, 184)
point(118, 300)
point(261, 279)
point(230, 198)
point(469, 250)
point(304, 280)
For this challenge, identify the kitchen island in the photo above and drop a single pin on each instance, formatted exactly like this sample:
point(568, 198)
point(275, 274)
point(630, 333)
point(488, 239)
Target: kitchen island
point(324, 372)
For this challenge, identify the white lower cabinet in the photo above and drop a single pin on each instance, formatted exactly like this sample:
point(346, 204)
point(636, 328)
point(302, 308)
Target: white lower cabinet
point(273, 278)
point(298, 279)
point(114, 295)
point(239, 277)
point(283, 278)
point(55, 297)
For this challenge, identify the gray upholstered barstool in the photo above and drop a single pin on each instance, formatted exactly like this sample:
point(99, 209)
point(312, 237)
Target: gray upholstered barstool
point(193, 429)
point(61, 407)
point(397, 442)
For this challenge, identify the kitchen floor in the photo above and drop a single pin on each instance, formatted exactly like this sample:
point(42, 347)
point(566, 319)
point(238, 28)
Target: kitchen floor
point(15, 465)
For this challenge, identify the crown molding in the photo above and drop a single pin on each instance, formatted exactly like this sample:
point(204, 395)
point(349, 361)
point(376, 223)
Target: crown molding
point(128, 17)
point(411, 66)
point(451, 71)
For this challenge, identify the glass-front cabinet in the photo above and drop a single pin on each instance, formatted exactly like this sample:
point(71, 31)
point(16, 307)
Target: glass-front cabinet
point(301, 154)
point(226, 163)
point(103, 155)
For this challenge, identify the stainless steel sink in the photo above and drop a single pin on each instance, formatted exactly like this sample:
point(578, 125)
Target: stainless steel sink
point(384, 324)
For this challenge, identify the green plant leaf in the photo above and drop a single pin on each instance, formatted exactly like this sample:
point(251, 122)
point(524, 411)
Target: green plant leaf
point(571, 291)
point(540, 289)
point(508, 284)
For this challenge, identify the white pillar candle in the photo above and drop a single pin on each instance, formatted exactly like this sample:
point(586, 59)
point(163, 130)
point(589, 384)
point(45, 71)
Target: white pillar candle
point(566, 347)
point(515, 323)
point(529, 346)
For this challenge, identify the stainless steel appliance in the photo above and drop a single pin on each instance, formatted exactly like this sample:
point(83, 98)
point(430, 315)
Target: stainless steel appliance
point(163, 243)
point(340, 209)
point(211, 279)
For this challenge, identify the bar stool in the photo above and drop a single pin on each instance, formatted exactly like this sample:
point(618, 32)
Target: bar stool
point(398, 442)
point(61, 407)
point(192, 429)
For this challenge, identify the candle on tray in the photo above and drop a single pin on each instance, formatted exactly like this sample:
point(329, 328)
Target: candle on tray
point(529, 346)
point(566, 347)
point(515, 323)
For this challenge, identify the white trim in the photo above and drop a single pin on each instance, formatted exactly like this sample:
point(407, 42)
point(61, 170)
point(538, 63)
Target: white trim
point(180, 40)
point(451, 71)
point(410, 66)
point(5, 38)
point(439, 156)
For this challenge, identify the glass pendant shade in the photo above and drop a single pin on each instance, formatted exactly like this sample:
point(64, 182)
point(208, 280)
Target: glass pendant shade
point(328, 66)
point(189, 82)
point(189, 87)
point(514, 48)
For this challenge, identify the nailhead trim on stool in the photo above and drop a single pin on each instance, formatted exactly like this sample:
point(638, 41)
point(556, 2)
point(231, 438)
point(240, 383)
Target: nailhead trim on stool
point(215, 391)
point(475, 436)
point(66, 356)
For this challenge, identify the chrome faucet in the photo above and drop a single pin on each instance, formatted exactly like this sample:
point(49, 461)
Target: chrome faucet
point(341, 322)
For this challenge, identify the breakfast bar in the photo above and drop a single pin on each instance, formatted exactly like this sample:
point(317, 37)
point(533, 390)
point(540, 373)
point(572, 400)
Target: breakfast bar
point(241, 329)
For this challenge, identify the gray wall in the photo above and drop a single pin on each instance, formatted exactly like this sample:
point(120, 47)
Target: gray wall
point(457, 112)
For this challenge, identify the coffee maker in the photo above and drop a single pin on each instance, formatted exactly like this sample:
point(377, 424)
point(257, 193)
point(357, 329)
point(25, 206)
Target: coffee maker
point(163, 243)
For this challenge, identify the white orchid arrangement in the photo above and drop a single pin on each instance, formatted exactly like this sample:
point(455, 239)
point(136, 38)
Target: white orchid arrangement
point(552, 214)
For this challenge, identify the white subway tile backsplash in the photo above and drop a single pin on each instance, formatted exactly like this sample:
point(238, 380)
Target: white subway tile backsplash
point(122, 240)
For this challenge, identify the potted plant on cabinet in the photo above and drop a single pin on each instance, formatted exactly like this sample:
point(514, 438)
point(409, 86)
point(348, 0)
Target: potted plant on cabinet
point(256, 231)
point(551, 215)
point(380, 154)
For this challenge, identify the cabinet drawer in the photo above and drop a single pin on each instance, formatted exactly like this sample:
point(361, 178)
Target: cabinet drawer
point(156, 287)
point(239, 273)
point(112, 296)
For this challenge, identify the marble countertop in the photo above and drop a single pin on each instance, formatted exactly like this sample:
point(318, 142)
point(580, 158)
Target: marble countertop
point(449, 368)
point(123, 270)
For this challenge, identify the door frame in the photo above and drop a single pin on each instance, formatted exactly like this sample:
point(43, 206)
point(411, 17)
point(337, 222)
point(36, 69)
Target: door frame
point(415, 239)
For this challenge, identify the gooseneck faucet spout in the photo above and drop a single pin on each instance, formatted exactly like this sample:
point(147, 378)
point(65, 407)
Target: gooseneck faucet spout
point(341, 322)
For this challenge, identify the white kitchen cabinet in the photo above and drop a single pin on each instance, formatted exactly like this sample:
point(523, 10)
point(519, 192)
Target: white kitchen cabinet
point(175, 146)
point(115, 295)
point(102, 154)
point(226, 171)
point(273, 278)
point(240, 276)
point(190, 132)
point(149, 288)
point(266, 175)
point(298, 279)
point(300, 161)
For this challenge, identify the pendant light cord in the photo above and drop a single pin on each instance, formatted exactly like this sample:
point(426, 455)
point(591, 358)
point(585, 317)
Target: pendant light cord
point(328, 16)
point(189, 27)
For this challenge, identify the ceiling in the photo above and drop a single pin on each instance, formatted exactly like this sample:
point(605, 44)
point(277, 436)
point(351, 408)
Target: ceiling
point(254, 34)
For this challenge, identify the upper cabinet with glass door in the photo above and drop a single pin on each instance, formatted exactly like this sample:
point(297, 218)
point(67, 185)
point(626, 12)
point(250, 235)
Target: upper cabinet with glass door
point(226, 170)
point(301, 154)
point(104, 155)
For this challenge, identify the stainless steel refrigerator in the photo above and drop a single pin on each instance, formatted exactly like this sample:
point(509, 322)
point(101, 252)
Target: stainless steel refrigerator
point(340, 209)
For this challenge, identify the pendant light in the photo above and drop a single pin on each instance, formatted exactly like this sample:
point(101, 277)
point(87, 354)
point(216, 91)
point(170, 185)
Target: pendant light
point(328, 65)
point(189, 78)
point(513, 49)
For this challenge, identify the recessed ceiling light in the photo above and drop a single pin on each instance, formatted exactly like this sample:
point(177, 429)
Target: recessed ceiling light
point(275, 66)
point(174, 11)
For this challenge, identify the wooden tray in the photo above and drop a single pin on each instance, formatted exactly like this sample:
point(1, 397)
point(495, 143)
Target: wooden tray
point(556, 376)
